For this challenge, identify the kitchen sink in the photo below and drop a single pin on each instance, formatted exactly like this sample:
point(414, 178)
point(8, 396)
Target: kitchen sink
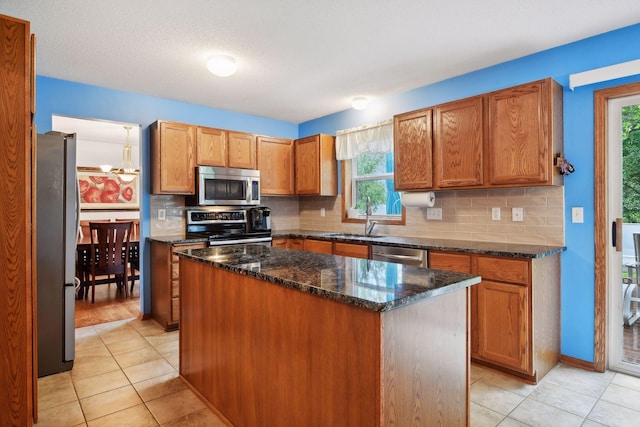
point(352, 236)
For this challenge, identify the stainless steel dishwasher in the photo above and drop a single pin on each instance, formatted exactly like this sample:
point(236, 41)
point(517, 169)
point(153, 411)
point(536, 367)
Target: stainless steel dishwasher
point(408, 256)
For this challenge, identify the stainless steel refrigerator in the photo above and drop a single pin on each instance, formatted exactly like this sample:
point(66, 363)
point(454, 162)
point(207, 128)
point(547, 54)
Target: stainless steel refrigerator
point(57, 220)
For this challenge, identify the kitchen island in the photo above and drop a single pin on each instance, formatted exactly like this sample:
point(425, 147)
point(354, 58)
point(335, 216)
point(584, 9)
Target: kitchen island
point(272, 336)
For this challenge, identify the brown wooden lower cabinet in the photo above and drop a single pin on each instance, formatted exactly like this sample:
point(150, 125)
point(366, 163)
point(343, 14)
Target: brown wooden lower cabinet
point(258, 353)
point(319, 246)
point(352, 249)
point(515, 310)
point(165, 282)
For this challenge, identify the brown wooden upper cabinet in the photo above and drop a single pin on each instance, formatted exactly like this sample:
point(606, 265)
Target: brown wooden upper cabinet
point(316, 167)
point(173, 158)
point(275, 162)
point(242, 150)
point(506, 138)
point(413, 155)
point(525, 131)
point(459, 143)
point(212, 147)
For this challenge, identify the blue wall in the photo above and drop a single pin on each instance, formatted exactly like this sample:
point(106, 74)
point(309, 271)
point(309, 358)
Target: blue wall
point(79, 100)
point(72, 99)
point(578, 277)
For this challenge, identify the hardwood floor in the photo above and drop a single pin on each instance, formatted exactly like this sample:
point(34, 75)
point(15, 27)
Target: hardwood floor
point(110, 305)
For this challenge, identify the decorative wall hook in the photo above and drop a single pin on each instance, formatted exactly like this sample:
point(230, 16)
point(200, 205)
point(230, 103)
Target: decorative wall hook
point(563, 165)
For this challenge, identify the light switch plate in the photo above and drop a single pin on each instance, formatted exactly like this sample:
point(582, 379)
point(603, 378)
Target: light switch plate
point(495, 214)
point(434, 213)
point(577, 215)
point(322, 212)
point(517, 214)
point(162, 214)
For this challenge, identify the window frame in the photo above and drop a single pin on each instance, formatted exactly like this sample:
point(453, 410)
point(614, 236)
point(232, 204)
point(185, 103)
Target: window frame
point(348, 189)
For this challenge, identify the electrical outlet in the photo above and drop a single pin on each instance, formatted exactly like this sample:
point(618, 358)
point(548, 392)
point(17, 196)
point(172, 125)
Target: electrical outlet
point(322, 212)
point(577, 215)
point(162, 214)
point(434, 213)
point(517, 214)
point(495, 214)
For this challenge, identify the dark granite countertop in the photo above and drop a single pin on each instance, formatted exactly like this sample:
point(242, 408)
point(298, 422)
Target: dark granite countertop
point(515, 250)
point(372, 285)
point(176, 239)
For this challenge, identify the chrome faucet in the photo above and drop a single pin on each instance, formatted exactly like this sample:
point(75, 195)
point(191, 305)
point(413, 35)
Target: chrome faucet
point(368, 226)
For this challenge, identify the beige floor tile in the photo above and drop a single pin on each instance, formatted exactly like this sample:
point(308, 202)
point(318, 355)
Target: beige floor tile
point(204, 417)
point(88, 342)
point(91, 368)
point(174, 360)
point(136, 416)
point(108, 327)
point(482, 417)
point(623, 396)
point(174, 406)
point(96, 351)
point(476, 372)
point(508, 383)
point(55, 390)
point(68, 414)
point(562, 398)
point(156, 340)
point(100, 383)
point(612, 415)
point(85, 332)
point(137, 357)
point(159, 386)
point(494, 398)
point(510, 422)
point(147, 327)
point(121, 334)
point(537, 414)
point(127, 344)
point(109, 402)
point(145, 371)
point(626, 381)
point(168, 348)
point(580, 380)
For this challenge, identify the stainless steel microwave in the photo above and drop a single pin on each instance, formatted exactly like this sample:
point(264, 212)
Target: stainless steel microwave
point(217, 186)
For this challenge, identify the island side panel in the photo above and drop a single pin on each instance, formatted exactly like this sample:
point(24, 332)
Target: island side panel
point(262, 354)
point(546, 314)
point(426, 362)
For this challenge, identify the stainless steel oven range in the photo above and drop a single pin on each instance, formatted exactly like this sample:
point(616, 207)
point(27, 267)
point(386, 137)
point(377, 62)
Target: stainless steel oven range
point(224, 225)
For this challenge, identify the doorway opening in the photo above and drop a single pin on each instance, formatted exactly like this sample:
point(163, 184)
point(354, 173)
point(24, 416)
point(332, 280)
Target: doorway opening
point(105, 196)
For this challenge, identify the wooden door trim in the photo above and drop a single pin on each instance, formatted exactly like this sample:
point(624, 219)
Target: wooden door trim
point(601, 102)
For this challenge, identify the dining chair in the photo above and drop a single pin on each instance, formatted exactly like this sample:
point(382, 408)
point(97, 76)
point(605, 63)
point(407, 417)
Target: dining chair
point(630, 286)
point(134, 257)
point(110, 253)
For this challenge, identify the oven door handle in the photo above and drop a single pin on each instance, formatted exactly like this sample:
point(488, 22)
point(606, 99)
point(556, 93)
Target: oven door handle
point(239, 241)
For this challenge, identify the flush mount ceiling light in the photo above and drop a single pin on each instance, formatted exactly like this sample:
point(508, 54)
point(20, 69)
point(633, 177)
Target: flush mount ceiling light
point(222, 65)
point(359, 103)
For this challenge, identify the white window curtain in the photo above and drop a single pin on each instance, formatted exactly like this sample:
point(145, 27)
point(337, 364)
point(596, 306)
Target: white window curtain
point(375, 138)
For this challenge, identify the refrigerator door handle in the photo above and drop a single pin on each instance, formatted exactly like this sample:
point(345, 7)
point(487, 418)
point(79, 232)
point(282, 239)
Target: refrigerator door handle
point(78, 230)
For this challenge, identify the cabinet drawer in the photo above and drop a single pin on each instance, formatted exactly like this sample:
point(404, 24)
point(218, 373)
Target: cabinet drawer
point(460, 263)
point(320, 246)
point(503, 270)
point(352, 250)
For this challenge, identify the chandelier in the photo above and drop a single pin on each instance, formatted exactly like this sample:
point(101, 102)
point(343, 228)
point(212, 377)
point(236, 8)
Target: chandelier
point(126, 172)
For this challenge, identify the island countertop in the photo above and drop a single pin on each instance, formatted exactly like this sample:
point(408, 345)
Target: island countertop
point(372, 285)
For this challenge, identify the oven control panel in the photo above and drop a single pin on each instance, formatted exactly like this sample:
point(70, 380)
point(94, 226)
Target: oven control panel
point(216, 216)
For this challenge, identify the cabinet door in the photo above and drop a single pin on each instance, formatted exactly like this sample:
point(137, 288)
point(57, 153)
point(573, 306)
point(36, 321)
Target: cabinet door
point(173, 158)
point(307, 165)
point(458, 144)
point(242, 150)
point(296, 244)
point(320, 246)
point(519, 135)
point(212, 147)
point(504, 324)
point(275, 162)
point(351, 249)
point(278, 242)
point(413, 156)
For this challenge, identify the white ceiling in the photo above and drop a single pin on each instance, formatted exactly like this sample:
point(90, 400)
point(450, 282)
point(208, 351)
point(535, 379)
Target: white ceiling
point(298, 60)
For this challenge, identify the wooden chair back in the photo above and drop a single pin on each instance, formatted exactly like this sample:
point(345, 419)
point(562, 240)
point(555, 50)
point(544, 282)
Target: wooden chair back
point(109, 247)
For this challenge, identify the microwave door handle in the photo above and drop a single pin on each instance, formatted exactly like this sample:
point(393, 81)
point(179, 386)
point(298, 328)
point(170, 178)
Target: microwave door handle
point(249, 191)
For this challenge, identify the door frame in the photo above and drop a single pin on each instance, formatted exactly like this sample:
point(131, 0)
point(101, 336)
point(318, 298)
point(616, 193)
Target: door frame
point(601, 146)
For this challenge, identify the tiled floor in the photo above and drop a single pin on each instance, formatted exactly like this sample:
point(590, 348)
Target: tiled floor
point(565, 397)
point(126, 374)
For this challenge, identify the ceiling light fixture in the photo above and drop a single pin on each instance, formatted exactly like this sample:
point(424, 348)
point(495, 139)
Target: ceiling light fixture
point(222, 65)
point(127, 172)
point(359, 103)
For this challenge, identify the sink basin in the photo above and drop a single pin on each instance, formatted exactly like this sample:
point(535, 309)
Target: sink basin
point(352, 236)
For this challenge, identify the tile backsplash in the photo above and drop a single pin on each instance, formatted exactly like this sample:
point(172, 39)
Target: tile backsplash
point(466, 215)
